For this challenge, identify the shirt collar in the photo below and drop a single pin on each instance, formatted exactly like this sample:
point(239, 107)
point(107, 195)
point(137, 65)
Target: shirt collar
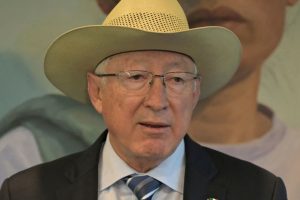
point(170, 172)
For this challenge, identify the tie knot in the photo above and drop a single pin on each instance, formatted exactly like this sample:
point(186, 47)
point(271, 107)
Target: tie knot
point(143, 186)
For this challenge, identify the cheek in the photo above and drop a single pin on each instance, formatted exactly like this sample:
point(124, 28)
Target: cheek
point(183, 110)
point(270, 17)
point(262, 32)
point(263, 17)
point(119, 110)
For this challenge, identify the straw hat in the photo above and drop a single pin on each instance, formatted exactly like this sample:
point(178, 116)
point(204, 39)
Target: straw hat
point(135, 25)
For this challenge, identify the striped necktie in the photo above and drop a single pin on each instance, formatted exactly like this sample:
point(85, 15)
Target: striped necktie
point(143, 186)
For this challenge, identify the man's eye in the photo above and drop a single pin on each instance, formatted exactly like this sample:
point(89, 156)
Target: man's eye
point(137, 77)
point(177, 80)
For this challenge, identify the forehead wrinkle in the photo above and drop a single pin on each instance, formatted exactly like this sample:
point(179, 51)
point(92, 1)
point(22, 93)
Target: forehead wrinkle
point(183, 63)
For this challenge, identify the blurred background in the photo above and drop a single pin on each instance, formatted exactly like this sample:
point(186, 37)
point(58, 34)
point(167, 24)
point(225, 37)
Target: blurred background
point(28, 27)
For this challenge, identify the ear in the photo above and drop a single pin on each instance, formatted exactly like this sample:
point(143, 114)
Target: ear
point(291, 2)
point(94, 91)
point(197, 93)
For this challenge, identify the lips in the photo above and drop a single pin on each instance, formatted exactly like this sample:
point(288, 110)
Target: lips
point(219, 16)
point(155, 125)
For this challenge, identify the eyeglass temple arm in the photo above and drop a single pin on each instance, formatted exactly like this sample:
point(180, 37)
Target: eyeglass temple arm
point(103, 75)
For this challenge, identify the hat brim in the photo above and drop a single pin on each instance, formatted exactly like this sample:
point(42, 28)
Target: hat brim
point(215, 50)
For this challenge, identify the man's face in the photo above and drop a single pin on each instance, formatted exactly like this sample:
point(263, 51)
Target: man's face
point(258, 23)
point(151, 125)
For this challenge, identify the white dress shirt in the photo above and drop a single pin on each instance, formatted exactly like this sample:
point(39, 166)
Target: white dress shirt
point(112, 168)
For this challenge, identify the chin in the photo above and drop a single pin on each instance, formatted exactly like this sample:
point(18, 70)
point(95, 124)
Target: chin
point(152, 150)
point(158, 153)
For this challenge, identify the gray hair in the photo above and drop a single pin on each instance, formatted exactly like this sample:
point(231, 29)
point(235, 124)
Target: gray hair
point(101, 67)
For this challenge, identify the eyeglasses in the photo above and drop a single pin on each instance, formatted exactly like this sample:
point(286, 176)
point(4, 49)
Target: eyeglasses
point(136, 81)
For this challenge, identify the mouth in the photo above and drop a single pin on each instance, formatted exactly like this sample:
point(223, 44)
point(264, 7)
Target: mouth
point(220, 16)
point(154, 125)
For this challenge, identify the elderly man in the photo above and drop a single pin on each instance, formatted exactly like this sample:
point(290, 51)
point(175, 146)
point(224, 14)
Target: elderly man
point(141, 69)
point(232, 120)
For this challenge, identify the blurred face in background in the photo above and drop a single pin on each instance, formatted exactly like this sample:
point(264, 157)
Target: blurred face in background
point(259, 24)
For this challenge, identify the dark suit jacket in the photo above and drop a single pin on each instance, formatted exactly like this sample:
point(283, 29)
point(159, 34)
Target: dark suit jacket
point(209, 174)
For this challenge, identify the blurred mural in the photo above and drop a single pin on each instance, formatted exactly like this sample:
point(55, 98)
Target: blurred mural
point(39, 127)
point(27, 29)
point(281, 73)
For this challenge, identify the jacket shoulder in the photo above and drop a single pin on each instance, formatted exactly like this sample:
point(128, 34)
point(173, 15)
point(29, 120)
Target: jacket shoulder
point(38, 181)
point(238, 179)
point(244, 178)
point(43, 181)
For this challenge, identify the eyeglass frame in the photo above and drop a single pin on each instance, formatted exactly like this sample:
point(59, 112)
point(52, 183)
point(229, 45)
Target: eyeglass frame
point(152, 75)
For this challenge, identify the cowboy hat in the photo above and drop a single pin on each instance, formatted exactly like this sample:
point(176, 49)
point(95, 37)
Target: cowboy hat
point(135, 25)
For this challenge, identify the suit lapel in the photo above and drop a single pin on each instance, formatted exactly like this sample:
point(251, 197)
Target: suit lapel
point(200, 172)
point(82, 175)
point(199, 184)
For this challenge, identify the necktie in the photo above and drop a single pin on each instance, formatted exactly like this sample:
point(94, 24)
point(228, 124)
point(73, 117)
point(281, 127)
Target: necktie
point(143, 186)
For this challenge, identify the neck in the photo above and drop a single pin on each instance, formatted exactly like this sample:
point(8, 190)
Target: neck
point(231, 116)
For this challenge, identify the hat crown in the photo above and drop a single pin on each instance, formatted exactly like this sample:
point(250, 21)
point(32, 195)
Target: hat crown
point(161, 16)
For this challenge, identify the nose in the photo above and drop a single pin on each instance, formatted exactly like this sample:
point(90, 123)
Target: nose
point(156, 98)
point(162, 77)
